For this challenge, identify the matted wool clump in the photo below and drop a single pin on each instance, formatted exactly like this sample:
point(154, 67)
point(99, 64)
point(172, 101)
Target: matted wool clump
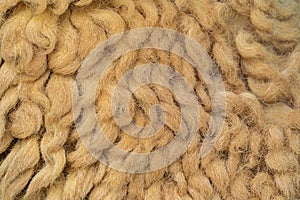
point(256, 48)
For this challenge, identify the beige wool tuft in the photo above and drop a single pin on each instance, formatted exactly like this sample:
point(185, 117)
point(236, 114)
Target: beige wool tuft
point(256, 46)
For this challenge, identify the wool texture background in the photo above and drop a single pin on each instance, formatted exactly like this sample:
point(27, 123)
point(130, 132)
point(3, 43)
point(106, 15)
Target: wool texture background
point(255, 44)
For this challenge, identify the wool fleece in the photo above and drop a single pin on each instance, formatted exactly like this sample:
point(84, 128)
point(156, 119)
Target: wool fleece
point(255, 45)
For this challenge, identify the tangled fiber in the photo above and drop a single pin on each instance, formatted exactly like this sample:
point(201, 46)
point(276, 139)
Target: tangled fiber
point(255, 44)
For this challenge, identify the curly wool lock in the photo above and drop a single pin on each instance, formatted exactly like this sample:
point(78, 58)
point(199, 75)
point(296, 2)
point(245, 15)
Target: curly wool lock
point(256, 47)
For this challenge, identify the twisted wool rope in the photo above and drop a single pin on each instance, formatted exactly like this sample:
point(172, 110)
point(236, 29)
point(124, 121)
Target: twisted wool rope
point(256, 46)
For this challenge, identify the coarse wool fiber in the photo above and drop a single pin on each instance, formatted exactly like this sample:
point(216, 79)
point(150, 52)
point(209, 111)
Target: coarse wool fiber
point(255, 44)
